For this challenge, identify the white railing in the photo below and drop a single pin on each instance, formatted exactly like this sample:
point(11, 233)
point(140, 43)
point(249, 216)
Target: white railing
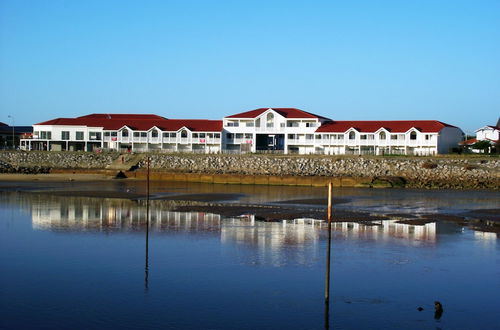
point(240, 141)
point(300, 141)
point(270, 129)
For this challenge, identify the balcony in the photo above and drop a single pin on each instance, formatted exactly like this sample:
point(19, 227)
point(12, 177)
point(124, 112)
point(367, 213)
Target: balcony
point(270, 129)
point(303, 141)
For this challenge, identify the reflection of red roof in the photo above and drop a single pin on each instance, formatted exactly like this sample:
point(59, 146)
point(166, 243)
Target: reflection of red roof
point(394, 126)
point(137, 122)
point(285, 112)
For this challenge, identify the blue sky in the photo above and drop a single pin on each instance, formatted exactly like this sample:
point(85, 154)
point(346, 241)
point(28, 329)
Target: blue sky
point(348, 60)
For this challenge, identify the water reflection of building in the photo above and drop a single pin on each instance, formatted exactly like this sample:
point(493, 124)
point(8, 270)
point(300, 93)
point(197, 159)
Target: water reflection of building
point(386, 229)
point(85, 213)
point(104, 214)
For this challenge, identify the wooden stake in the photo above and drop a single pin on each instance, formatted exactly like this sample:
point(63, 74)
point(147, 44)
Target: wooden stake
point(146, 267)
point(328, 248)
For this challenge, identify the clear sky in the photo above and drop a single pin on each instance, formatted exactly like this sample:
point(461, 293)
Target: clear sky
point(358, 60)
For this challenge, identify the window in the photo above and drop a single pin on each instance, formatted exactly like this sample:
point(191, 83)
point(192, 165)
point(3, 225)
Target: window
point(106, 133)
point(232, 124)
point(340, 136)
point(202, 135)
point(65, 135)
point(382, 136)
point(79, 135)
point(239, 136)
point(291, 136)
point(94, 135)
point(115, 134)
point(217, 135)
point(413, 135)
point(427, 137)
point(270, 120)
point(394, 136)
point(352, 135)
point(363, 137)
point(251, 124)
point(125, 133)
point(172, 135)
point(248, 136)
point(318, 136)
point(154, 133)
point(230, 135)
point(165, 135)
point(309, 136)
point(195, 135)
point(184, 134)
point(144, 134)
point(46, 135)
point(136, 134)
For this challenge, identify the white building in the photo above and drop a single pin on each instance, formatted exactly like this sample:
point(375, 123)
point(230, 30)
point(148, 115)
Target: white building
point(295, 131)
point(283, 130)
point(126, 132)
point(490, 133)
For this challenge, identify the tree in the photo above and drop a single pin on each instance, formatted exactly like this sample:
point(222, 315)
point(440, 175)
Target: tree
point(483, 145)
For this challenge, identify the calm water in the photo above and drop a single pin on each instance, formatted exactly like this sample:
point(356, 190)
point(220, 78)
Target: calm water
point(79, 263)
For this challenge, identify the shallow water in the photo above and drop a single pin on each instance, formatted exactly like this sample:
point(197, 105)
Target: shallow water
point(80, 263)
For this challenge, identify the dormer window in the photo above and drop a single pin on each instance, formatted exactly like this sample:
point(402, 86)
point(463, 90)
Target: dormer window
point(382, 136)
point(413, 135)
point(352, 135)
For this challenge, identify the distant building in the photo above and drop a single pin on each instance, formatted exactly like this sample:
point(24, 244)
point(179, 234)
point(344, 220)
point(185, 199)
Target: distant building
point(10, 134)
point(281, 130)
point(487, 133)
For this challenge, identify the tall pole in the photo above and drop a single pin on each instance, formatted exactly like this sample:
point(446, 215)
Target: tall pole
point(13, 138)
point(328, 258)
point(146, 268)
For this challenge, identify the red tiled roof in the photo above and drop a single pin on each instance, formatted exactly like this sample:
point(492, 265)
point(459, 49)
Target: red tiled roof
point(468, 142)
point(394, 126)
point(137, 122)
point(285, 112)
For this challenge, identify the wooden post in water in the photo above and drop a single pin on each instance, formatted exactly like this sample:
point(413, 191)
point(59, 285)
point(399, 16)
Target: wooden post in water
point(328, 249)
point(146, 268)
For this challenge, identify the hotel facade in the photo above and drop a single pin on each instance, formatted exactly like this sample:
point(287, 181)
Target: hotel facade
point(274, 130)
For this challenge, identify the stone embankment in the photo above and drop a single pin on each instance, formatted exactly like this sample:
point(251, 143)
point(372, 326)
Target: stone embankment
point(34, 162)
point(437, 172)
point(416, 172)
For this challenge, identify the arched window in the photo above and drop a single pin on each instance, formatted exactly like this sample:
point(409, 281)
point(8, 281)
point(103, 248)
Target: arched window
point(184, 134)
point(270, 119)
point(413, 135)
point(154, 133)
point(352, 135)
point(125, 132)
point(382, 136)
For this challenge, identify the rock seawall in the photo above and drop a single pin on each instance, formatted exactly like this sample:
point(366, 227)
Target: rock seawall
point(417, 172)
point(463, 172)
point(41, 161)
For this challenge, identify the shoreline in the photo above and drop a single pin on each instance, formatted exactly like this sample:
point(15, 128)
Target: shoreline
point(226, 204)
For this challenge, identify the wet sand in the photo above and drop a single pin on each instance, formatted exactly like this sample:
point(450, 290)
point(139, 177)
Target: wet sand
point(53, 177)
